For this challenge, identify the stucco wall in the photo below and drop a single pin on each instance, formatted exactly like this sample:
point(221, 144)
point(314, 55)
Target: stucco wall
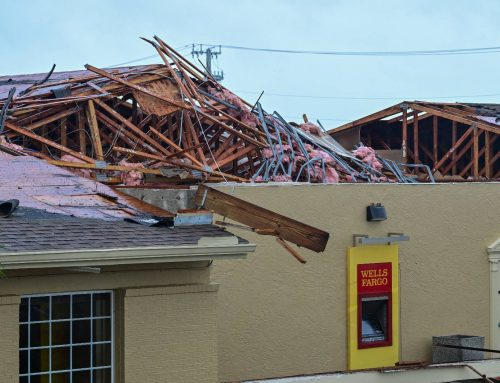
point(9, 339)
point(278, 317)
point(170, 335)
point(164, 319)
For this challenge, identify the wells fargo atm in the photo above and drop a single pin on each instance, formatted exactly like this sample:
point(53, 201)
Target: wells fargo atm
point(373, 309)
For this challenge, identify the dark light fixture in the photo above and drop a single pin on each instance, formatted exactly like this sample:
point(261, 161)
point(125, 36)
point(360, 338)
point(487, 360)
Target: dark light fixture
point(376, 212)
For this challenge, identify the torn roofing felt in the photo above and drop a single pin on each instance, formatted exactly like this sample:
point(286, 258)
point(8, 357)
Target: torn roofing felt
point(39, 185)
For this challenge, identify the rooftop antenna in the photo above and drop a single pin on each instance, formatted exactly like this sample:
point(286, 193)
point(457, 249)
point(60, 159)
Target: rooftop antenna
point(211, 51)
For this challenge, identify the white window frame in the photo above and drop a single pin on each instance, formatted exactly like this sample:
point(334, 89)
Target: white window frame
point(71, 319)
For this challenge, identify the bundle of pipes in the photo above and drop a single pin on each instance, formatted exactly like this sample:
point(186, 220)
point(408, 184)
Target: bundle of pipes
point(172, 123)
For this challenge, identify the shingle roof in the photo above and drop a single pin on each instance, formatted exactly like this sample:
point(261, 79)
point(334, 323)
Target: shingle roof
point(40, 231)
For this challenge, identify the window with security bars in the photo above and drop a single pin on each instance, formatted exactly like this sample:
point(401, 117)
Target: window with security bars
point(66, 338)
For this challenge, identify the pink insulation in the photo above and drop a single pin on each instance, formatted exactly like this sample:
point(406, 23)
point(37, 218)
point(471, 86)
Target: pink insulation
point(309, 127)
point(7, 144)
point(132, 178)
point(368, 156)
point(243, 114)
point(80, 172)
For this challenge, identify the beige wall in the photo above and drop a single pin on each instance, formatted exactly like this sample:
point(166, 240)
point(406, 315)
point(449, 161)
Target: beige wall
point(9, 339)
point(170, 335)
point(277, 317)
point(164, 319)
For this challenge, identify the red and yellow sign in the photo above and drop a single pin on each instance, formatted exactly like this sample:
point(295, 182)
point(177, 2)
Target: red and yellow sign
point(374, 277)
point(373, 300)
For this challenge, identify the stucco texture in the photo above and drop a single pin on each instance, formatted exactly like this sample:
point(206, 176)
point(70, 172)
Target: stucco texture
point(165, 318)
point(277, 317)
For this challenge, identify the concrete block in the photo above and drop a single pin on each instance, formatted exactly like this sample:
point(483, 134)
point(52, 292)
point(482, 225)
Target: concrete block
point(449, 355)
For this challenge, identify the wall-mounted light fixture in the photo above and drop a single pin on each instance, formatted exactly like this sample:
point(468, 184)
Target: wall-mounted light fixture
point(376, 212)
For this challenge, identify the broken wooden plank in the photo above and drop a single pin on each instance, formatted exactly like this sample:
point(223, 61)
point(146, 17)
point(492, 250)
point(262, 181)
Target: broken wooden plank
point(259, 218)
point(48, 142)
point(94, 129)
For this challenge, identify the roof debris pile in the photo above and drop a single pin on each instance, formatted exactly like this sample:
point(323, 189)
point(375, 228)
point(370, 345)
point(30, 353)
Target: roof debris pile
point(169, 123)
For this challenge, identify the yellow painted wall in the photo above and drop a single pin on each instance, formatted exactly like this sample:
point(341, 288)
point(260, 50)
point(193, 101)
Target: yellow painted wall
point(277, 317)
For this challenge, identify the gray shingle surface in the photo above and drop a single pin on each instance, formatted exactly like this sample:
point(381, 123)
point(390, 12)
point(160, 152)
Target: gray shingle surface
point(22, 234)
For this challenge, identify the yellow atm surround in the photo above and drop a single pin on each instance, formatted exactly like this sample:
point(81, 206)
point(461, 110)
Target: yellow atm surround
point(373, 306)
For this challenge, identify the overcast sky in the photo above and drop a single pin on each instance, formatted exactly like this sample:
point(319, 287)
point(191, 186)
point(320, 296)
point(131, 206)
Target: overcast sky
point(36, 34)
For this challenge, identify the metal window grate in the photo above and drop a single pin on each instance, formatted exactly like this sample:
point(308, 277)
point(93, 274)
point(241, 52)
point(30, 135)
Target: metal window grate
point(66, 338)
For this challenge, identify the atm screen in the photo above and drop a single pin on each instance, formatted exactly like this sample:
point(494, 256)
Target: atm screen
point(374, 320)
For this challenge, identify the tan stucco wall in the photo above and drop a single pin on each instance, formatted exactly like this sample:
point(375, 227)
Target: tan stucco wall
point(164, 319)
point(175, 339)
point(9, 339)
point(277, 317)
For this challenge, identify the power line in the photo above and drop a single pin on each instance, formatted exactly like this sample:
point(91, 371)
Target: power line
point(367, 98)
point(436, 52)
point(145, 57)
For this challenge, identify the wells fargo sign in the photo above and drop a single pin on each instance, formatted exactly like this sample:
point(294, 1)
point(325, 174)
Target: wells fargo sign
point(374, 277)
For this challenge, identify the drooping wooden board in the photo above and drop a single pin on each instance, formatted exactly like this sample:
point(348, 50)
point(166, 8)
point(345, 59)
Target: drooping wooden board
point(264, 221)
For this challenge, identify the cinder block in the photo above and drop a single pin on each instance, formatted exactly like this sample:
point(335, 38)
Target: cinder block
point(448, 355)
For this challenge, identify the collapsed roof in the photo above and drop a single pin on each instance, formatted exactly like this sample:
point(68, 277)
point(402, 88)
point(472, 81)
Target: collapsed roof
point(455, 141)
point(169, 123)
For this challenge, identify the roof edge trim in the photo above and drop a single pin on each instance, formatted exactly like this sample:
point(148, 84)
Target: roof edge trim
point(123, 256)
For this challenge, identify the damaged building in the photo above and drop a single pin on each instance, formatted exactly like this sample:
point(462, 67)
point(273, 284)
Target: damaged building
point(157, 227)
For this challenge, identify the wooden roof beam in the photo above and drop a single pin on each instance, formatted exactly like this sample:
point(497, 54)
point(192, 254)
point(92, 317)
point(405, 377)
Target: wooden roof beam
point(372, 117)
point(456, 117)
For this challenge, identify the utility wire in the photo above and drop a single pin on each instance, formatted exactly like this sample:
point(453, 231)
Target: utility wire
point(145, 57)
point(435, 52)
point(367, 98)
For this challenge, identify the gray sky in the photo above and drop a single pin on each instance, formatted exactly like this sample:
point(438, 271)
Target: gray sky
point(36, 34)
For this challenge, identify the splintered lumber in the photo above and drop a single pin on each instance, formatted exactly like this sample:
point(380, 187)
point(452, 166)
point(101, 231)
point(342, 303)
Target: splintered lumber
point(131, 126)
point(48, 142)
point(177, 115)
point(94, 128)
point(174, 102)
point(79, 165)
point(290, 249)
point(263, 220)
